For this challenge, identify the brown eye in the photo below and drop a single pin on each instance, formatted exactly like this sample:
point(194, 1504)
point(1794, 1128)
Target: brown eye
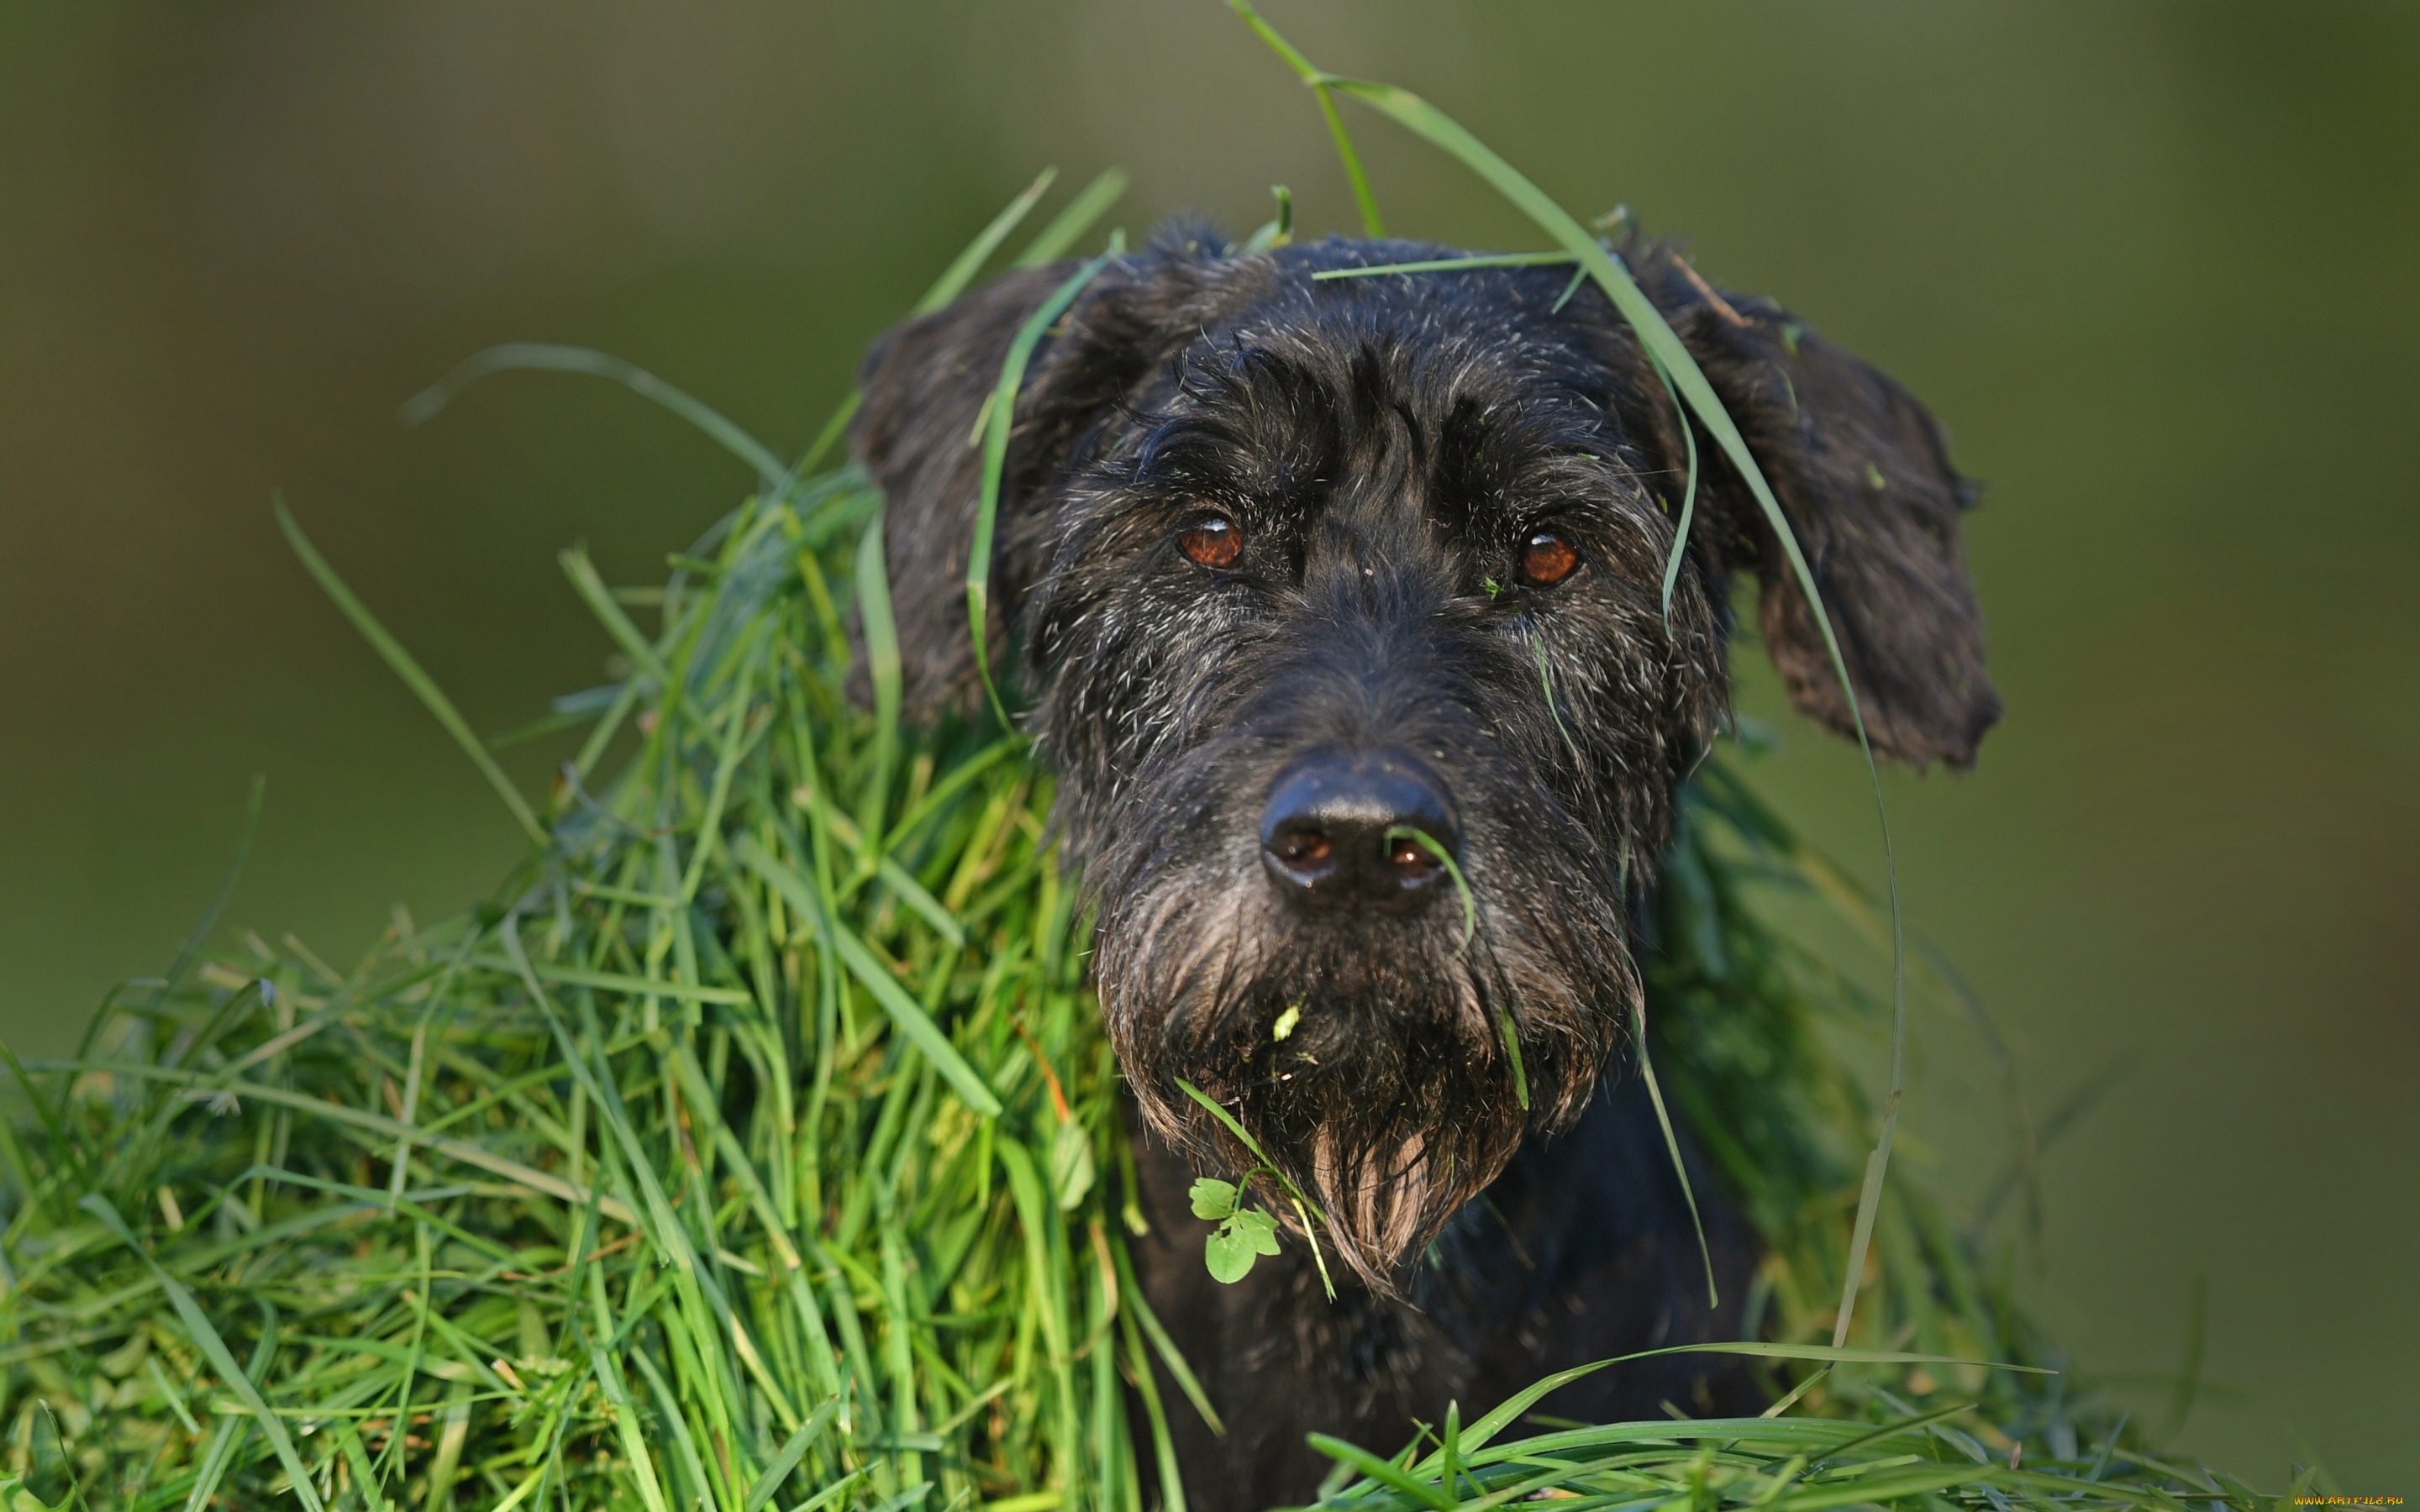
point(1212, 541)
point(1548, 559)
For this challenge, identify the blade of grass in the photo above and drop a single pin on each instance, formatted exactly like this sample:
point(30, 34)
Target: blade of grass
point(668, 1412)
point(1448, 265)
point(215, 1461)
point(1870, 1201)
point(452, 1430)
point(737, 730)
point(951, 283)
point(1139, 1307)
point(1512, 1052)
point(786, 1459)
point(1277, 230)
point(53, 1123)
point(1384, 1473)
point(1672, 1148)
point(1049, 1298)
point(401, 663)
point(1445, 858)
point(1002, 418)
point(1370, 223)
point(904, 1011)
point(1302, 1210)
point(955, 783)
point(1068, 227)
point(1546, 681)
point(1171, 1482)
point(963, 269)
point(1249, 1142)
point(1688, 500)
point(614, 982)
point(1786, 1403)
point(590, 585)
point(385, 1129)
point(1579, 276)
point(213, 1348)
point(408, 1109)
point(1512, 1407)
point(617, 1391)
point(882, 667)
point(537, 356)
point(224, 1443)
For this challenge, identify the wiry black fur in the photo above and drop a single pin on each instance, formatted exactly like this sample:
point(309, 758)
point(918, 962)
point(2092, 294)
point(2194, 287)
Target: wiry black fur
point(1386, 444)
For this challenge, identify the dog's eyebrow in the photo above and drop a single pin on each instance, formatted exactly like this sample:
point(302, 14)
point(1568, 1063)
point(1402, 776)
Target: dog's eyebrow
point(1214, 452)
point(1187, 449)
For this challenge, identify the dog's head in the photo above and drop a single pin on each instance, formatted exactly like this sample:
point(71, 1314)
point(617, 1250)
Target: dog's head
point(1340, 606)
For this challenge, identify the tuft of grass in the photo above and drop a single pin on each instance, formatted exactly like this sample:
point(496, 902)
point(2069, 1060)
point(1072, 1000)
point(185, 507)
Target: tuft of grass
point(743, 1148)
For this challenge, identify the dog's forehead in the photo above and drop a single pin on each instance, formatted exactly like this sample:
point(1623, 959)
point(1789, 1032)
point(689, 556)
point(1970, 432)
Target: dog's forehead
point(1483, 380)
point(1489, 335)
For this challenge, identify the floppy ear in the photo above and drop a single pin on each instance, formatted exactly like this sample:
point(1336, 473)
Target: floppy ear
point(1863, 475)
point(925, 383)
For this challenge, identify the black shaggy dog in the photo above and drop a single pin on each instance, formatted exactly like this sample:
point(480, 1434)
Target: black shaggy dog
point(1311, 579)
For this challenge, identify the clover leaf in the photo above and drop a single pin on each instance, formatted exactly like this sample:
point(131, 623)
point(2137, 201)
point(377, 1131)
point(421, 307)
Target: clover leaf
point(1246, 1234)
point(1212, 1199)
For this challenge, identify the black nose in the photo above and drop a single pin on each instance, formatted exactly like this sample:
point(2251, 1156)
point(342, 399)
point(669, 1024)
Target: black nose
point(1358, 829)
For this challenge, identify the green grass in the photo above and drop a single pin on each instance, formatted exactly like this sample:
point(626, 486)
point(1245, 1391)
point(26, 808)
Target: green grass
point(756, 1146)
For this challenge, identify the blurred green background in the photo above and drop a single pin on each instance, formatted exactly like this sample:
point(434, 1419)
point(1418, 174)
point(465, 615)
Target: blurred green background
point(2154, 265)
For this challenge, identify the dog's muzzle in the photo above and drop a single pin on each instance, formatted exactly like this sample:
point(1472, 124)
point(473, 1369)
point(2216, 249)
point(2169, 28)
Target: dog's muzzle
point(1347, 828)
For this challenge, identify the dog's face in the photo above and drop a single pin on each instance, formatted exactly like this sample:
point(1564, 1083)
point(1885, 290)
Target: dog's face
point(1341, 603)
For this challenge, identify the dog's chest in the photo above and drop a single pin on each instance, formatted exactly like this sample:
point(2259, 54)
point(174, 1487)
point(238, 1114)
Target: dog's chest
point(1580, 1251)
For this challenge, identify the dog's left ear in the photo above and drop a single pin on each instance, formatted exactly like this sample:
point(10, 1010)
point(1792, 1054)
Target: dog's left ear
point(1863, 475)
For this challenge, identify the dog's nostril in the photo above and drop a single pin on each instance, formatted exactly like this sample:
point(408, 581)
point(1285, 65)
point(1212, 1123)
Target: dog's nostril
point(1303, 849)
point(1357, 828)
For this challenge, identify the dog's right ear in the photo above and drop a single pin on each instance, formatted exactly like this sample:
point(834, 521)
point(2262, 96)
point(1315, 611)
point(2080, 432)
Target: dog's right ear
point(1863, 476)
point(927, 384)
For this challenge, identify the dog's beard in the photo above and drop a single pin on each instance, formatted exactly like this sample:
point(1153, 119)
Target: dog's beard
point(1390, 1099)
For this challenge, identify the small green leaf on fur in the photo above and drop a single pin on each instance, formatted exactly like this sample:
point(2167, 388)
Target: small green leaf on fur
point(1242, 1239)
point(1212, 1199)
